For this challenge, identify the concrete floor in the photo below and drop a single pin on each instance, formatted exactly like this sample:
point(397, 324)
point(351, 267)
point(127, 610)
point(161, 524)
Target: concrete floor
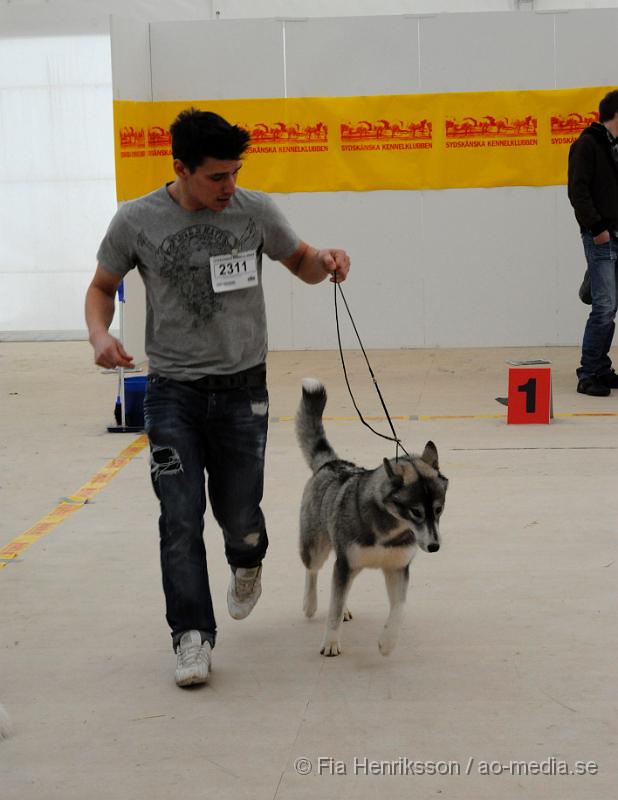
point(508, 651)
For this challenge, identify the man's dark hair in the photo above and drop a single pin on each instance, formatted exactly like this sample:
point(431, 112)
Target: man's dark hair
point(196, 135)
point(608, 106)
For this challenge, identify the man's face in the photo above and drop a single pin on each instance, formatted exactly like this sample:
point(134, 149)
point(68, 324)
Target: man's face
point(212, 185)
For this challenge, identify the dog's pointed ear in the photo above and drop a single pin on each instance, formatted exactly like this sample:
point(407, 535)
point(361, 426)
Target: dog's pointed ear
point(395, 479)
point(388, 469)
point(430, 455)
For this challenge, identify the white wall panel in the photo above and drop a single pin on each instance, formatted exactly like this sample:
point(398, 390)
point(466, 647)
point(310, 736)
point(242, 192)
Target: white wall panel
point(217, 60)
point(382, 233)
point(355, 8)
point(486, 52)
point(131, 75)
point(339, 57)
point(585, 41)
point(277, 283)
point(491, 266)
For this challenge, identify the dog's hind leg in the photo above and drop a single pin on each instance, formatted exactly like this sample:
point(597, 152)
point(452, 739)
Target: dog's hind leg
point(397, 587)
point(313, 557)
point(343, 576)
point(310, 600)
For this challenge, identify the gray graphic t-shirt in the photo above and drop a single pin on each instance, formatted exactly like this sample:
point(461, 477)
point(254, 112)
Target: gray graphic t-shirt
point(192, 331)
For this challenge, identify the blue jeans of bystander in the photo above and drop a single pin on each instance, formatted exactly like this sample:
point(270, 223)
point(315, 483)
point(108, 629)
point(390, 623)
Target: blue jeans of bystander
point(599, 331)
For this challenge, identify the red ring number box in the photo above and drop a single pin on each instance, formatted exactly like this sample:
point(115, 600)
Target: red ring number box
point(530, 396)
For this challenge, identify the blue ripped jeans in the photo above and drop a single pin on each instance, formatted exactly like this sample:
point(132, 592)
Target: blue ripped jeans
point(599, 331)
point(223, 433)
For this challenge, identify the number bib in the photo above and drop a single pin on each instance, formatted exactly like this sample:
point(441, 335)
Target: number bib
point(234, 271)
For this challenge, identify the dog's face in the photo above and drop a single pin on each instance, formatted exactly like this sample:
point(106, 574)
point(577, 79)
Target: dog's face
point(415, 493)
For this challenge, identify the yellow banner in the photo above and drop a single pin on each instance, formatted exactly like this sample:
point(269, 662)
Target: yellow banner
point(329, 144)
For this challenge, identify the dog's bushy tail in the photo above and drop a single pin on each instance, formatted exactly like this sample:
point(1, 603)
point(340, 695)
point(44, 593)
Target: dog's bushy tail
point(309, 428)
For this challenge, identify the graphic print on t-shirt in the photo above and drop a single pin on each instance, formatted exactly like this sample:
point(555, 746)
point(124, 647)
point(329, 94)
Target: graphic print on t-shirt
point(183, 259)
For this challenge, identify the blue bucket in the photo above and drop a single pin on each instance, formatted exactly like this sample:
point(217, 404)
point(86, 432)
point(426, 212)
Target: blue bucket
point(134, 391)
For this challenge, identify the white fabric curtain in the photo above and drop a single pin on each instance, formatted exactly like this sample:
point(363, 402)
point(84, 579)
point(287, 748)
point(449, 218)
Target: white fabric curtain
point(57, 189)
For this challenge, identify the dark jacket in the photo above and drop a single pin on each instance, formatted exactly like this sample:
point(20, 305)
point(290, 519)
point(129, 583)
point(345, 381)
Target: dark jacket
point(593, 181)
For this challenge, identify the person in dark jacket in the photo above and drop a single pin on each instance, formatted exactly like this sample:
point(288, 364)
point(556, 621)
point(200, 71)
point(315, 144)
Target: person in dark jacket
point(593, 192)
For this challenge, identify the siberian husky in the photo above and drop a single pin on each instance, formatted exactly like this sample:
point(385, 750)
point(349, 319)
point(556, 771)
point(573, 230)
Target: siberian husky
point(370, 518)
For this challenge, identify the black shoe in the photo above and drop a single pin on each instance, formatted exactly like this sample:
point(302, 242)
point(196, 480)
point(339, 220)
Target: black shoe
point(592, 386)
point(610, 379)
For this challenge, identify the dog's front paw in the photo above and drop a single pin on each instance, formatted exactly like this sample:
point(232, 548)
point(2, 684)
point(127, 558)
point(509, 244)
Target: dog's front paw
point(387, 642)
point(330, 646)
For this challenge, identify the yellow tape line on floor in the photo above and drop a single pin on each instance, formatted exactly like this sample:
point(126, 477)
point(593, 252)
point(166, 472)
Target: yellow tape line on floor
point(71, 504)
point(429, 417)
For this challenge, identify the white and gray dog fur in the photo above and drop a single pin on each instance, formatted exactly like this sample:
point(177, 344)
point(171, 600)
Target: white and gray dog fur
point(371, 518)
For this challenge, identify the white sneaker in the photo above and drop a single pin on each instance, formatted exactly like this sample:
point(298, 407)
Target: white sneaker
point(244, 591)
point(193, 659)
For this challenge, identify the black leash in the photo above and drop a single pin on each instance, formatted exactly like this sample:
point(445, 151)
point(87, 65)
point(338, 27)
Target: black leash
point(394, 437)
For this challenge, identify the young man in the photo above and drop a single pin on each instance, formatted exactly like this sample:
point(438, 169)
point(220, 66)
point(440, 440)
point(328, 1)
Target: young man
point(197, 243)
point(593, 192)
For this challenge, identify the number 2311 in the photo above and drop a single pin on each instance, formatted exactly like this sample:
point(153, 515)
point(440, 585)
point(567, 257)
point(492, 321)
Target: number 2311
point(232, 268)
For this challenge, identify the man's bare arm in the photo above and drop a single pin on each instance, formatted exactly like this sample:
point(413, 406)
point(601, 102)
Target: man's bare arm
point(313, 266)
point(100, 303)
